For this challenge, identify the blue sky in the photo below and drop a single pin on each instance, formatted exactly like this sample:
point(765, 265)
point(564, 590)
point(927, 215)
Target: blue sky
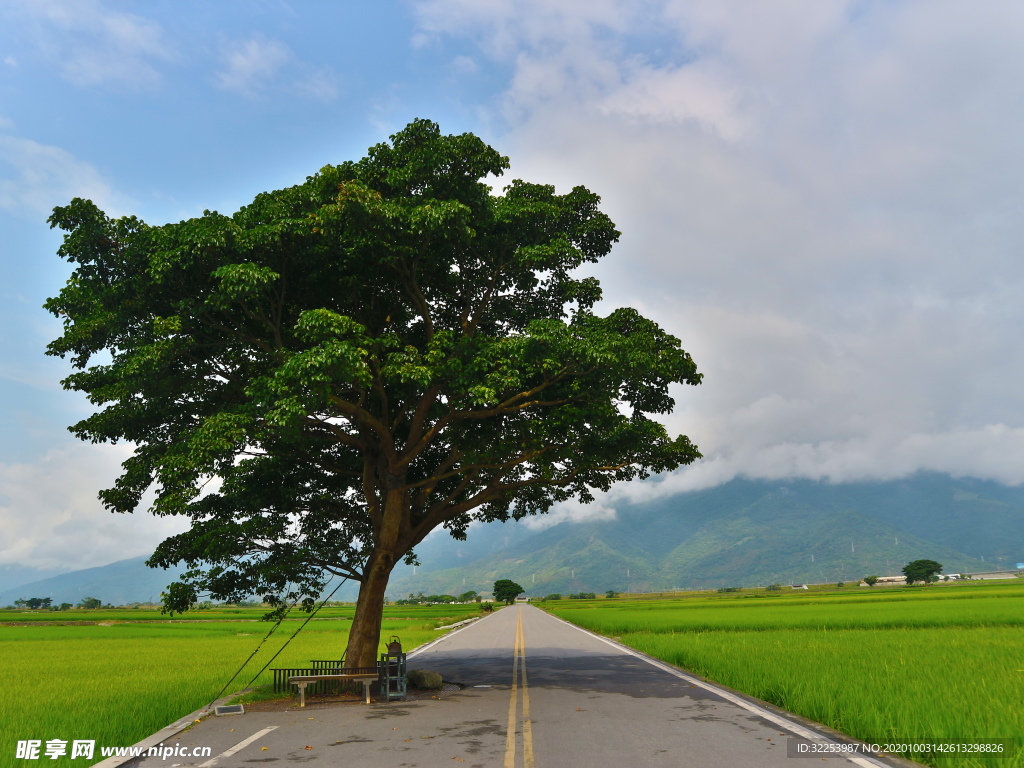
point(820, 198)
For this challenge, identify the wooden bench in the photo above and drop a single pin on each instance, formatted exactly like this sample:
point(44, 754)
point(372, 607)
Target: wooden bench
point(366, 678)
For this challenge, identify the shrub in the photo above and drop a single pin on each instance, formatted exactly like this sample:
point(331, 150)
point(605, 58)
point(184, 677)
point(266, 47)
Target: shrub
point(424, 679)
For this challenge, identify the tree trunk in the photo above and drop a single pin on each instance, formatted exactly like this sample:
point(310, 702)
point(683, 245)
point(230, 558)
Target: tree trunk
point(364, 636)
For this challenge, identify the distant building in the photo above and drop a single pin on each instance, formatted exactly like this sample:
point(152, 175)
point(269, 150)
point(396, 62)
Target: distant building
point(888, 581)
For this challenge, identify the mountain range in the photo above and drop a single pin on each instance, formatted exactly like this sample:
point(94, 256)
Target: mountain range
point(742, 533)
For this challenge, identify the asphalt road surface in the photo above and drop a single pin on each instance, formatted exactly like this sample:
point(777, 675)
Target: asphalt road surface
point(538, 693)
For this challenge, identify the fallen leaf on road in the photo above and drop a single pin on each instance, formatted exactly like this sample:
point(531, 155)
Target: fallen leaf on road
point(308, 747)
point(264, 749)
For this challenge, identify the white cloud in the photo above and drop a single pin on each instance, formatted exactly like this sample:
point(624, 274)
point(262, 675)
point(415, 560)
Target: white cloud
point(318, 84)
point(51, 517)
point(821, 199)
point(260, 65)
point(251, 65)
point(35, 177)
point(574, 512)
point(96, 46)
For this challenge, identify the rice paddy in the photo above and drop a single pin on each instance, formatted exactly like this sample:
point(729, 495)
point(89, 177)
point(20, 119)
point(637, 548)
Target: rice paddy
point(911, 664)
point(116, 683)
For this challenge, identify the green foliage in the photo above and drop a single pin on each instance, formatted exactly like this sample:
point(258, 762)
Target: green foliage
point(924, 571)
point(611, 593)
point(506, 591)
point(383, 349)
point(871, 580)
point(422, 599)
point(34, 603)
point(582, 596)
point(90, 602)
point(468, 597)
point(553, 596)
point(776, 587)
point(425, 679)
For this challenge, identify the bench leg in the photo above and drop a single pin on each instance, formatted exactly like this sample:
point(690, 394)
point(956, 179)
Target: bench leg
point(302, 693)
point(366, 689)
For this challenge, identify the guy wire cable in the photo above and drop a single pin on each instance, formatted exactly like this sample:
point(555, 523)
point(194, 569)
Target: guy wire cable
point(301, 626)
point(260, 645)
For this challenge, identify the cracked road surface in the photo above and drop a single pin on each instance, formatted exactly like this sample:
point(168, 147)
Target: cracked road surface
point(538, 692)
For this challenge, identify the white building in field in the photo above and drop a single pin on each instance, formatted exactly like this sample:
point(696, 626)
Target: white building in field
point(887, 581)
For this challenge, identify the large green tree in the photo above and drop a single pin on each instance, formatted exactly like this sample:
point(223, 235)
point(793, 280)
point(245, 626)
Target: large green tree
point(924, 571)
point(506, 591)
point(323, 378)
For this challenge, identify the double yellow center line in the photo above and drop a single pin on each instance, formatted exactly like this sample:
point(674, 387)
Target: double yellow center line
point(519, 672)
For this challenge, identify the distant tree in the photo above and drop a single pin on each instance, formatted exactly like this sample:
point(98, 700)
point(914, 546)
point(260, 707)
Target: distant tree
point(611, 593)
point(468, 597)
point(64, 606)
point(774, 587)
point(34, 602)
point(871, 580)
point(554, 596)
point(506, 591)
point(924, 571)
point(19, 603)
point(840, 583)
point(583, 596)
point(90, 602)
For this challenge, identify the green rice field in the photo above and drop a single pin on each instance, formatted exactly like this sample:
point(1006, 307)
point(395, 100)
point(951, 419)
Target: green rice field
point(122, 679)
point(924, 664)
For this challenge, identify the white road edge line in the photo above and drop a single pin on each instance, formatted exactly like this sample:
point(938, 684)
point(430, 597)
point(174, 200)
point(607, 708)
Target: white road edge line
point(782, 722)
point(436, 640)
point(238, 747)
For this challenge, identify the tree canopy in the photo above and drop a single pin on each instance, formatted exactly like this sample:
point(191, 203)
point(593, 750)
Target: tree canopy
point(924, 571)
point(324, 377)
point(506, 591)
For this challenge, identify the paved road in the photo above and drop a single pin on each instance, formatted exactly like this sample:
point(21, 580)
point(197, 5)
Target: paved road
point(539, 692)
